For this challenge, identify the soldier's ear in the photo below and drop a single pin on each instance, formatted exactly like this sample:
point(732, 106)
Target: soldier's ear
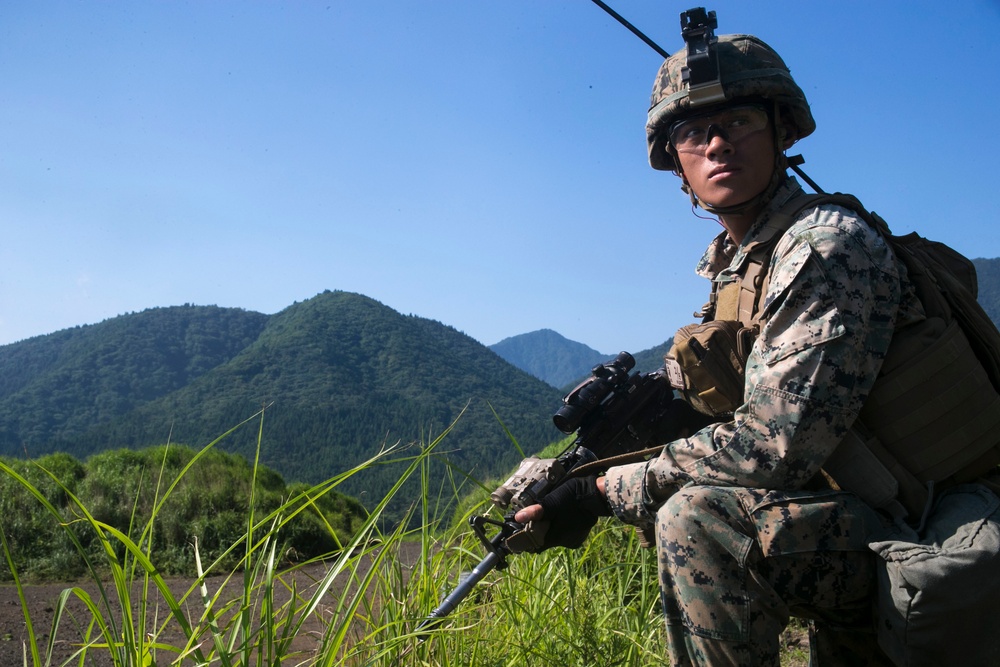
point(786, 134)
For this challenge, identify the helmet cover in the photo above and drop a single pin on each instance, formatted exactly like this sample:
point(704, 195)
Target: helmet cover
point(748, 69)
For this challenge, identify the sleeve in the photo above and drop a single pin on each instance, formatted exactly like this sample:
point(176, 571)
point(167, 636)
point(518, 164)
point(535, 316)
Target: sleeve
point(829, 314)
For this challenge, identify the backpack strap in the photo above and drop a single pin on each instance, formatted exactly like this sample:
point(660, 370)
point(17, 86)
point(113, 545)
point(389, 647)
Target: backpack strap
point(743, 300)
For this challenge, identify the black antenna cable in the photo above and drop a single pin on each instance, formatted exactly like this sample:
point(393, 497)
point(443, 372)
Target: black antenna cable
point(635, 31)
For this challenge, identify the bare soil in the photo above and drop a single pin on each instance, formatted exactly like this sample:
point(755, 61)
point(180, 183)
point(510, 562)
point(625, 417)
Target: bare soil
point(42, 601)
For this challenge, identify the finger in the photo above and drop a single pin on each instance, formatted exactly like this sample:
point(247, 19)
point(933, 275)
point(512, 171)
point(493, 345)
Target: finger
point(529, 513)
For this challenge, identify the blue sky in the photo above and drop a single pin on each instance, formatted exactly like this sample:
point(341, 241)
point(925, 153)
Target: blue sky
point(477, 162)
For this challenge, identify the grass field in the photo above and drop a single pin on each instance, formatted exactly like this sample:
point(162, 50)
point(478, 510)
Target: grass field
point(362, 605)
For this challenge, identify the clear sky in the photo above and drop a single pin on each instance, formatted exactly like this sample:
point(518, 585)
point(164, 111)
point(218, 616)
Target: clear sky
point(477, 162)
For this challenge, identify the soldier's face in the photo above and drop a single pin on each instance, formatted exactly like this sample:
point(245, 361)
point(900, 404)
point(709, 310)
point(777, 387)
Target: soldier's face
point(730, 172)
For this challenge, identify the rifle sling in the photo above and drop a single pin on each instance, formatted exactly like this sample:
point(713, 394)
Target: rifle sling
point(602, 465)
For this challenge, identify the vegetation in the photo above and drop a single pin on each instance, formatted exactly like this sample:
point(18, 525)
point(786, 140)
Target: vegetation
point(361, 605)
point(342, 375)
point(123, 489)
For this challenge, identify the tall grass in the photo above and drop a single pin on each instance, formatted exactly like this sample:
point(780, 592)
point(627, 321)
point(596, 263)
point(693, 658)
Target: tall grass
point(360, 605)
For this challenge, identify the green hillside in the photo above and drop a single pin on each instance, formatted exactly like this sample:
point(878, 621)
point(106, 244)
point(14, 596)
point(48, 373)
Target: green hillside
point(56, 388)
point(341, 373)
point(189, 495)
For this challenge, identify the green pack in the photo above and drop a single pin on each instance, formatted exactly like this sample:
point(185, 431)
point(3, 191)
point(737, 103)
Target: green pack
point(938, 587)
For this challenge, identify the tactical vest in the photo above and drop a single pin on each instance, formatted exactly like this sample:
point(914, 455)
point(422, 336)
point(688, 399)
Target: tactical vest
point(932, 418)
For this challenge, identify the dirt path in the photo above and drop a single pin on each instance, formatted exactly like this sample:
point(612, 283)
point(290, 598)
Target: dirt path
point(42, 601)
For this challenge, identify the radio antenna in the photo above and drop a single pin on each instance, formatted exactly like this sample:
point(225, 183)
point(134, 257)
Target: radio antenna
point(635, 31)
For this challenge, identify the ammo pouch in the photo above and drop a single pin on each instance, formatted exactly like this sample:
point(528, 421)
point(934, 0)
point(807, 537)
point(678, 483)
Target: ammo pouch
point(706, 364)
point(938, 588)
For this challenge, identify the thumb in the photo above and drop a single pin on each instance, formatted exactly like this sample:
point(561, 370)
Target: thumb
point(529, 513)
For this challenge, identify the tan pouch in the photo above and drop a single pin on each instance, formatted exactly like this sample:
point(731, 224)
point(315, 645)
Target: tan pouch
point(707, 362)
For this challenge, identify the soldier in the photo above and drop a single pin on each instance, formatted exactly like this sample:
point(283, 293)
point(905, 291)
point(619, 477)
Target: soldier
point(748, 529)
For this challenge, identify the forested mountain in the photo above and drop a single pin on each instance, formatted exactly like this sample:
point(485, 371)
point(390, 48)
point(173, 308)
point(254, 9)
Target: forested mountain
point(56, 388)
point(342, 375)
point(549, 356)
point(562, 362)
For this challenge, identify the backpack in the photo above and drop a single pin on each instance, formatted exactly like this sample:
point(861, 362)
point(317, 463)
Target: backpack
point(934, 411)
point(931, 422)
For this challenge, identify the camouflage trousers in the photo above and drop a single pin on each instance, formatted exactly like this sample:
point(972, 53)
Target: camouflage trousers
point(736, 563)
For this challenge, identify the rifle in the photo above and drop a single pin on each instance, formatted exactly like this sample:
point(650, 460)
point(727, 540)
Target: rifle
point(617, 418)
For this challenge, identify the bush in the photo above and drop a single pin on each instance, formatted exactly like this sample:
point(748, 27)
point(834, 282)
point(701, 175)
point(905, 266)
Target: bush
point(202, 497)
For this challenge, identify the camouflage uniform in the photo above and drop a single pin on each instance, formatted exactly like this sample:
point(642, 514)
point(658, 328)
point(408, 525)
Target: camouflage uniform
point(746, 535)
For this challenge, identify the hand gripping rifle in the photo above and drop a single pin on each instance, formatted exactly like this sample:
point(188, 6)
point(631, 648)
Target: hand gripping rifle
point(617, 417)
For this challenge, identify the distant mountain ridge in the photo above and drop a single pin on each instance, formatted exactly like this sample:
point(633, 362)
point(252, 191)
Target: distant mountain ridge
point(549, 356)
point(562, 362)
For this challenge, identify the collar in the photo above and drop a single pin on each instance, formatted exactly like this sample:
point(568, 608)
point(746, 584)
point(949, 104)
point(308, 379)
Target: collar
point(725, 258)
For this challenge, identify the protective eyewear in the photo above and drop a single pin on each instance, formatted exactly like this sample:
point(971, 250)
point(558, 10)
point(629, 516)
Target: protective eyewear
point(692, 135)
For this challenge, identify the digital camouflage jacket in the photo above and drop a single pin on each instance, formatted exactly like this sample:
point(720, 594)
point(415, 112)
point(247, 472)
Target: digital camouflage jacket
point(832, 301)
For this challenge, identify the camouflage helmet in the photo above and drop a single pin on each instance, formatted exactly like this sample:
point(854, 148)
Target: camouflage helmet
point(748, 68)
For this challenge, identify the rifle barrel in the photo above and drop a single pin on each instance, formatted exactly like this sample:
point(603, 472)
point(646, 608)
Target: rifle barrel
point(461, 591)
